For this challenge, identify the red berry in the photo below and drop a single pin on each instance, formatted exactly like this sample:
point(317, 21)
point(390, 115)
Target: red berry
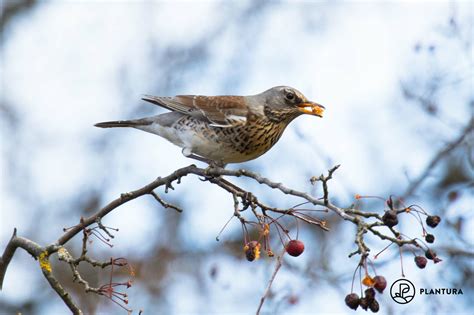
point(295, 248)
point(380, 283)
point(293, 299)
point(421, 261)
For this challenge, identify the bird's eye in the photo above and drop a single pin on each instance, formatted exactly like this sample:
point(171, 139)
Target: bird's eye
point(290, 96)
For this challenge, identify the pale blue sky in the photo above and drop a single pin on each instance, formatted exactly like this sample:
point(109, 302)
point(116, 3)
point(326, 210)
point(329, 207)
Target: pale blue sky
point(68, 65)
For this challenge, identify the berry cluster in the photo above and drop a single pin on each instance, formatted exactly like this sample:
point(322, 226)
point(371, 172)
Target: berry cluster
point(368, 301)
point(432, 221)
point(380, 225)
point(294, 247)
point(389, 219)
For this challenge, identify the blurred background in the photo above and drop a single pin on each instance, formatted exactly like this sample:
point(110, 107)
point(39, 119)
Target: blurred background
point(397, 82)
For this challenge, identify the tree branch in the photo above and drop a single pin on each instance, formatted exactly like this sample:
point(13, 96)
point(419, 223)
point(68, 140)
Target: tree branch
point(438, 157)
point(214, 175)
point(42, 254)
point(15, 241)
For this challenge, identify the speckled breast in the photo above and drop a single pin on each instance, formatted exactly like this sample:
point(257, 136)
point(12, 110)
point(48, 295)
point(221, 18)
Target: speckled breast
point(242, 143)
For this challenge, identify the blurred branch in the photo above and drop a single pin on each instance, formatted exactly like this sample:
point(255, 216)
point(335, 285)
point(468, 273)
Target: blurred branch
point(11, 8)
point(457, 252)
point(467, 130)
point(270, 282)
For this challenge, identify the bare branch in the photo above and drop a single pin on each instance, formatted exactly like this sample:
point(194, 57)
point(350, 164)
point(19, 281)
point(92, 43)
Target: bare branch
point(15, 242)
point(324, 180)
point(54, 283)
point(164, 203)
point(214, 175)
point(42, 254)
point(126, 197)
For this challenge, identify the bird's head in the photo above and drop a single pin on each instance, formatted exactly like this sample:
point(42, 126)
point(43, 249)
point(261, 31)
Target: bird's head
point(287, 101)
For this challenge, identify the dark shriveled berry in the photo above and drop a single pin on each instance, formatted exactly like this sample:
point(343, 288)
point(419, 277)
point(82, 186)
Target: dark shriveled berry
point(352, 300)
point(390, 218)
point(433, 220)
point(370, 294)
point(364, 303)
point(430, 254)
point(252, 250)
point(421, 261)
point(429, 238)
point(380, 283)
point(250, 255)
point(374, 306)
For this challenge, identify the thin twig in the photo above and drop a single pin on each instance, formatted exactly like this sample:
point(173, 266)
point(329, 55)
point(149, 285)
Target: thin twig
point(324, 180)
point(270, 282)
point(164, 203)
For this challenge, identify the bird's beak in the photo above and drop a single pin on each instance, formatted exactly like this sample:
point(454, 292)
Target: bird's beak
point(311, 108)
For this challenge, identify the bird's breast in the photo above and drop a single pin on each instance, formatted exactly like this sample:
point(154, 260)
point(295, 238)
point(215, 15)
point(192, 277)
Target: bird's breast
point(230, 144)
point(249, 141)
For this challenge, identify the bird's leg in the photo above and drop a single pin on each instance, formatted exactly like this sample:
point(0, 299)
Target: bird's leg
point(247, 196)
point(198, 158)
point(212, 164)
point(208, 170)
point(188, 153)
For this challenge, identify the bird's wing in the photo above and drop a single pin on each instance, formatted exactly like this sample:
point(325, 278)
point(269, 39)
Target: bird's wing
point(220, 111)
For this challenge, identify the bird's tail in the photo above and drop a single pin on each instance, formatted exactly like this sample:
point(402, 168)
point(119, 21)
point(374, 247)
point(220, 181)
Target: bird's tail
point(124, 123)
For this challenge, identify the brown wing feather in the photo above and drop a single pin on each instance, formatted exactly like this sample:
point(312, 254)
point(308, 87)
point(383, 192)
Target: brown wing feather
point(222, 111)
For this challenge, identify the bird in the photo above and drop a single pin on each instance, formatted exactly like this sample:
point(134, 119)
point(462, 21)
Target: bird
point(224, 129)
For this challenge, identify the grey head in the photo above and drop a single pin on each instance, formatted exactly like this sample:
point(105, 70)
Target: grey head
point(285, 103)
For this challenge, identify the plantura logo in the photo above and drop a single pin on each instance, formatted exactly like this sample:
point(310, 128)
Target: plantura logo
point(441, 291)
point(402, 291)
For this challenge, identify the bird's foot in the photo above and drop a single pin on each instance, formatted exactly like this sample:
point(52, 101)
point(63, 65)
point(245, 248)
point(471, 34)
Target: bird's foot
point(209, 171)
point(214, 165)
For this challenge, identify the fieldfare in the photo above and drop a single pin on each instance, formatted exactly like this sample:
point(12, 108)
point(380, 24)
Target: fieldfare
point(224, 129)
